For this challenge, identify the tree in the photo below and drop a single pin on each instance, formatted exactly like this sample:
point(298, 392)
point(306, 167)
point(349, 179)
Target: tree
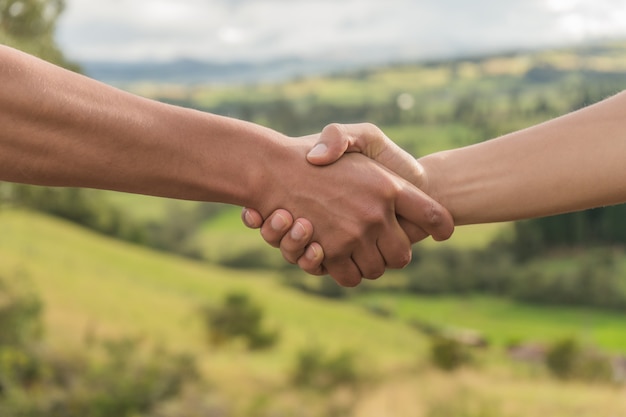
point(29, 25)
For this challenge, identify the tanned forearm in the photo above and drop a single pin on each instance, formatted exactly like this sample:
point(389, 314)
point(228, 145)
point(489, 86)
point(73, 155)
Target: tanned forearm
point(574, 162)
point(61, 128)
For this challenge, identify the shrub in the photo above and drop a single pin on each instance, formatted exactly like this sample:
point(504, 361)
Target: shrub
point(567, 359)
point(449, 354)
point(561, 357)
point(126, 381)
point(238, 317)
point(20, 315)
point(316, 369)
point(320, 286)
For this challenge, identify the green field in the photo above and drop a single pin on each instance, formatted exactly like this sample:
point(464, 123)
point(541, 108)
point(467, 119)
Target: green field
point(504, 321)
point(95, 286)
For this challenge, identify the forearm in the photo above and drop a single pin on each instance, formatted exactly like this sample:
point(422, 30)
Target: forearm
point(60, 128)
point(574, 162)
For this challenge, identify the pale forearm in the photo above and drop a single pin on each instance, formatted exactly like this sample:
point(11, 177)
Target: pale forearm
point(574, 162)
point(60, 128)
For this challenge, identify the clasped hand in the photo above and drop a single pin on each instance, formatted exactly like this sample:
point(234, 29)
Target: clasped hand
point(364, 213)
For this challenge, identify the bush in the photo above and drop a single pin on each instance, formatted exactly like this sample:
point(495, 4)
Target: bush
point(35, 382)
point(561, 357)
point(320, 286)
point(449, 354)
point(317, 369)
point(566, 359)
point(238, 317)
point(126, 381)
point(20, 315)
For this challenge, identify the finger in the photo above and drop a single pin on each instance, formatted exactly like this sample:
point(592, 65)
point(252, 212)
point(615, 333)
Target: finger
point(370, 261)
point(332, 144)
point(311, 261)
point(413, 231)
point(295, 242)
point(395, 247)
point(417, 207)
point(276, 226)
point(251, 218)
point(345, 272)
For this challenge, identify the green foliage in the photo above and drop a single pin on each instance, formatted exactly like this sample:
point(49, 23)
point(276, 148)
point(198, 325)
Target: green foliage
point(174, 232)
point(593, 279)
point(20, 315)
point(580, 229)
point(126, 381)
point(29, 18)
point(449, 270)
point(320, 286)
point(89, 208)
point(238, 317)
point(561, 357)
point(567, 359)
point(448, 354)
point(254, 258)
point(34, 381)
point(319, 370)
point(29, 25)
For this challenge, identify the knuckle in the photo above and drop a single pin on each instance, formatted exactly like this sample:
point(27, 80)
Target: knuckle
point(349, 281)
point(334, 129)
point(435, 215)
point(401, 260)
point(438, 221)
point(269, 237)
point(290, 257)
point(375, 273)
point(311, 269)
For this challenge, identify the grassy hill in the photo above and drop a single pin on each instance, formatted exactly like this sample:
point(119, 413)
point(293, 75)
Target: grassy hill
point(93, 285)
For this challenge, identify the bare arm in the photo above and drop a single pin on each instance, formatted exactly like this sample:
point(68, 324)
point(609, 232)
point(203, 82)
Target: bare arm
point(570, 163)
point(60, 128)
point(63, 129)
point(574, 162)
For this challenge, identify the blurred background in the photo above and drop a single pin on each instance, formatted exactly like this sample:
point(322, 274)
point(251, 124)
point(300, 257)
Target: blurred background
point(114, 304)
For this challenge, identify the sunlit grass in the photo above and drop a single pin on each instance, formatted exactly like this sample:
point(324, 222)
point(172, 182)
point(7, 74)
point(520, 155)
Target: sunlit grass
point(89, 282)
point(92, 285)
point(504, 320)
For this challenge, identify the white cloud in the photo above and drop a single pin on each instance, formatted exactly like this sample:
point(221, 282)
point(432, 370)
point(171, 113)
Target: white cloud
point(264, 29)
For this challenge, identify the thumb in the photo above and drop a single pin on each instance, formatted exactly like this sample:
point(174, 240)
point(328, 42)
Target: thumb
point(332, 144)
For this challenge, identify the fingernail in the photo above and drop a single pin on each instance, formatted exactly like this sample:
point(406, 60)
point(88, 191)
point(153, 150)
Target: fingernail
point(248, 218)
point(278, 222)
point(318, 150)
point(297, 231)
point(311, 253)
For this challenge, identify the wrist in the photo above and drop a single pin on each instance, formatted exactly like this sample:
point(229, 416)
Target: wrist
point(428, 178)
point(275, 160)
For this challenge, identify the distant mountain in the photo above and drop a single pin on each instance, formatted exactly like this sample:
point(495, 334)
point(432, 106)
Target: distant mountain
point(190, 71)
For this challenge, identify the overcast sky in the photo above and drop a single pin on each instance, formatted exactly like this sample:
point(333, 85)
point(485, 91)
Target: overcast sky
point(230, 30)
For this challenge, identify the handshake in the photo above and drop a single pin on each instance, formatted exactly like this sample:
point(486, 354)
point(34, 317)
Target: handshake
point(370, 200)
point(347, 202)
point(365, 217)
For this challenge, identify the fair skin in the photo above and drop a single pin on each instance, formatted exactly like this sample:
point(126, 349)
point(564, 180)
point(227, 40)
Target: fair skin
point(63, 129)
point(574, 162)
